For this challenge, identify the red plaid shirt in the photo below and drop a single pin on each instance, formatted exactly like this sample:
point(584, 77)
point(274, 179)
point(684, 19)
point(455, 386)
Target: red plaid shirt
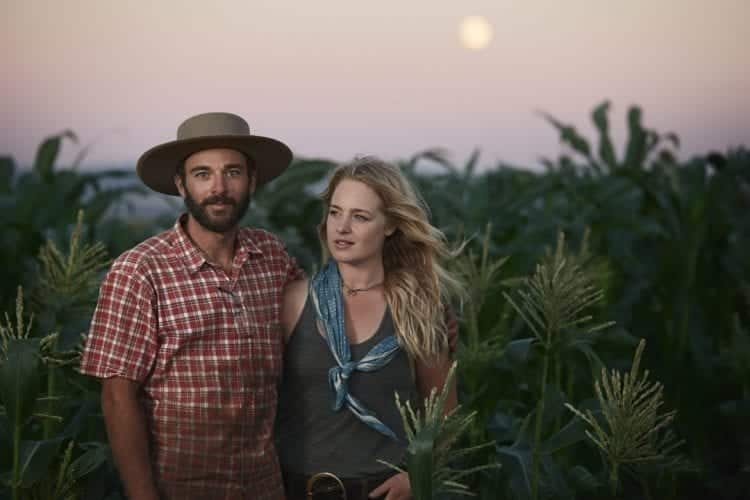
point(207, 349)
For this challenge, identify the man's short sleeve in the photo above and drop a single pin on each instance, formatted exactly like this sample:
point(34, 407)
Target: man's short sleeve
point(122, 340)
point(293, 271)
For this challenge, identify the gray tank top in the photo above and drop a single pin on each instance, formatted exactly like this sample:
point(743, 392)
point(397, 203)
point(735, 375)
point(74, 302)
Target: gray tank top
point(310, 436)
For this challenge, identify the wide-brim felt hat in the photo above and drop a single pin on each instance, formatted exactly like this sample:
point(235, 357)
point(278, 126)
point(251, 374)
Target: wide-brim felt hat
point(158, 166)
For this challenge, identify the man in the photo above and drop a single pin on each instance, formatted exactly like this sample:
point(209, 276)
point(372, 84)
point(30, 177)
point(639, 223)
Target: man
point(186, 335)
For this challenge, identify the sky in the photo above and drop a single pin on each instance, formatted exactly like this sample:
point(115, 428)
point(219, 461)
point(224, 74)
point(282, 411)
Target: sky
point(340, 78)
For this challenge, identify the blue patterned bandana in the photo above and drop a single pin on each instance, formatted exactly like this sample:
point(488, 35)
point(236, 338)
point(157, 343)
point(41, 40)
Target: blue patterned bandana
point(325, 291)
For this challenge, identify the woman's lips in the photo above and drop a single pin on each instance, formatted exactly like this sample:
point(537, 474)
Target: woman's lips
point(342, 244)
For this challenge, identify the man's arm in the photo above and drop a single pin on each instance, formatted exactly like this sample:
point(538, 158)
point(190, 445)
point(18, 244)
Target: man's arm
point(128, 437)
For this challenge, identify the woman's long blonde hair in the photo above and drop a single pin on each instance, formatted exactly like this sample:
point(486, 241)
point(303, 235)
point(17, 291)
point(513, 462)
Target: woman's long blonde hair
point(417, 286)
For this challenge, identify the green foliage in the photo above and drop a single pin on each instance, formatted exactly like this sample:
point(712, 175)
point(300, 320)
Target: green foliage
point(552, 304)
point(663, 253)
point(40, 204)
point(40, 394)
point(74, 275)
point(19, 370)
point(553, 299)
point(634, 431)
point(433, 435)
point(644, 147)
point(669, 245)
point(290, 207)
point(483, 342)
point(65, 289)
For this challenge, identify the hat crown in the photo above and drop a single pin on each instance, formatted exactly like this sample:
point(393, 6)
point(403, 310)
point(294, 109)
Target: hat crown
point(212, 124)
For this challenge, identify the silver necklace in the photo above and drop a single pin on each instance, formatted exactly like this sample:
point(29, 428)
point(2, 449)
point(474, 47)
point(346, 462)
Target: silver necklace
point(351, 292)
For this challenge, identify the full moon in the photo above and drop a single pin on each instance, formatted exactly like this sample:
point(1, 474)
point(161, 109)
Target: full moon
point(475, 32)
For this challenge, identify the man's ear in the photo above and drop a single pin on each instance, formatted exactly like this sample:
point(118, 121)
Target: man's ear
point(180, 186)
point(253, 182)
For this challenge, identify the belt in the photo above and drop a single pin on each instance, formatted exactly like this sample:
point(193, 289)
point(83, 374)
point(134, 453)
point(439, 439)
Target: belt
point(328, 486)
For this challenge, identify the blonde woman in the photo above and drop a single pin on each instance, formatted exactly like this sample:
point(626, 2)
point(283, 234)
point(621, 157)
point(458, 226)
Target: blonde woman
point(370, 324)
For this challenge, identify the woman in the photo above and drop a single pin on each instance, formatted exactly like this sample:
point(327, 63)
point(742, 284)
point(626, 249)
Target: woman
point(370, 324)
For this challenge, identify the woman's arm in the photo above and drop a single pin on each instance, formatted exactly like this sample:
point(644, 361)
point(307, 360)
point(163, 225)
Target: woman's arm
point(432, 374)
point(295, 294)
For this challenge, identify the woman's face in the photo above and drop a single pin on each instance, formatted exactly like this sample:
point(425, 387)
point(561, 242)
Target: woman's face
point(356, 226)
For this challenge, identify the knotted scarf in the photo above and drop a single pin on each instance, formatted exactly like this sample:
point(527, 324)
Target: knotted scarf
point(325, 291)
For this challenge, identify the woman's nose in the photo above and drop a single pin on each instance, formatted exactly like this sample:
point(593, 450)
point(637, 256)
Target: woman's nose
point(343, 226)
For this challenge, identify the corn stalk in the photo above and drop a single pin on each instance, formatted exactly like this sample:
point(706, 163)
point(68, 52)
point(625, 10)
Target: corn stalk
point(19, 366)
point(433, 435)
point(66, 286)
point(635, 431)
point(552, 300)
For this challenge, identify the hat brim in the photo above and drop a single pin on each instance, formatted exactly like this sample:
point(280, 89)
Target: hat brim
point(158, 166)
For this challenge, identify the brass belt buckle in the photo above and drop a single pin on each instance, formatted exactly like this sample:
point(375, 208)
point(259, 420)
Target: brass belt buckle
point(309, 493)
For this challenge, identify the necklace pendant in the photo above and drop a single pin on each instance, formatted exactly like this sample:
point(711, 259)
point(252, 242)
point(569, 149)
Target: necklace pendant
point(351, 292)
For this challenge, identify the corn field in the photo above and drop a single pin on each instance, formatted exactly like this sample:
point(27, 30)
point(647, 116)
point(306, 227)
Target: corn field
point(604, 347)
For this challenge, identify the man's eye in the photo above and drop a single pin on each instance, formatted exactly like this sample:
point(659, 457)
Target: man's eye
point(234, 173)
point(202, 175)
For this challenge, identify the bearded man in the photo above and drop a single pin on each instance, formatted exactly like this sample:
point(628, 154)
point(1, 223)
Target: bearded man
point(185, 337)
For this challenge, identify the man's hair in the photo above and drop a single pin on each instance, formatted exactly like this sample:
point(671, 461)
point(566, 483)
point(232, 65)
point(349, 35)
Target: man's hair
point(417, 285)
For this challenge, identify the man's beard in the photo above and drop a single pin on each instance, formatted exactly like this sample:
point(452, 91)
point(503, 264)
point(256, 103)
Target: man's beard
point(200, 214)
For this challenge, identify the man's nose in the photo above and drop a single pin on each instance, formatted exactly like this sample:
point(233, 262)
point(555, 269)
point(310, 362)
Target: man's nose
point(219, 184)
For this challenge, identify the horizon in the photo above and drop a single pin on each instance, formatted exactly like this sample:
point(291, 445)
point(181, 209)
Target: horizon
point(336, 80)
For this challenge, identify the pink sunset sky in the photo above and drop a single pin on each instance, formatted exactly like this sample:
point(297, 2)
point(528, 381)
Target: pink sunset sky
point(336, 78)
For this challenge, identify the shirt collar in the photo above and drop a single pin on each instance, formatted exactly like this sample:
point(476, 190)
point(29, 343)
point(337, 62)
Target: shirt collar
point(194, 258)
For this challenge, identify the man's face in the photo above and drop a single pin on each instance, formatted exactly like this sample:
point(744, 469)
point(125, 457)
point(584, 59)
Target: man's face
point(216, 188)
